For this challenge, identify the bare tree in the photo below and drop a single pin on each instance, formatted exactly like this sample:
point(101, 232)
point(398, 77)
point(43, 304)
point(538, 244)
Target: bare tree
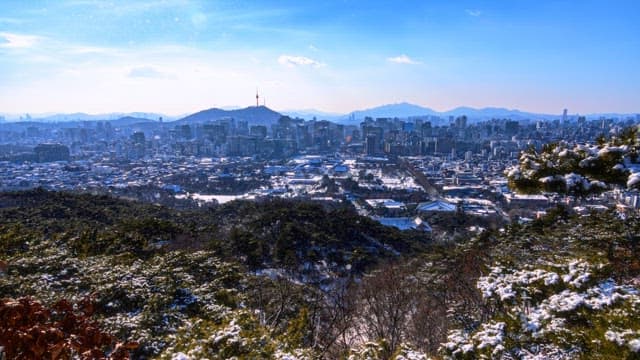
point(334, 319)
point(388, 299)
point(428, 326)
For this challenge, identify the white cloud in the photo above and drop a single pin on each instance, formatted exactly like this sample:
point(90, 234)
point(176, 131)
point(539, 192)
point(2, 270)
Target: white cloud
point(127, 7)
point(17, 41)
point(292, 61)
point(474, 12)
point(88, 50)
point(403, 59)
point(146, 72)
point(312, 48)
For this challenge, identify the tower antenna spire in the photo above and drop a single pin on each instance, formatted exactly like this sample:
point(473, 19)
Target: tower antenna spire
point(257, 98)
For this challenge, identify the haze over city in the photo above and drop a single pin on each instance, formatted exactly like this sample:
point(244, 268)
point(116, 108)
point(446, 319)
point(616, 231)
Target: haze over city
point(177, 56)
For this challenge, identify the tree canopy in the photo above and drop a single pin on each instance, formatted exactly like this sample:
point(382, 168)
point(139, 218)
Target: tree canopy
point(579, 169)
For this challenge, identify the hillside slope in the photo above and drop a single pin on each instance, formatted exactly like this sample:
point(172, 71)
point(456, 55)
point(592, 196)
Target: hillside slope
point(299, 280)
point(254, 115)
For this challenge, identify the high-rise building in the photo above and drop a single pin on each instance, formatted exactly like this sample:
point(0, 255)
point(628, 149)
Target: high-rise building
point(511, 127)
point(372, 145)
point(184, 131)
point(468, 156)
point(138, 138)
point(259, 131)
point(373, 136)
point(51, 152)
point(461, 122)
point(139, 144)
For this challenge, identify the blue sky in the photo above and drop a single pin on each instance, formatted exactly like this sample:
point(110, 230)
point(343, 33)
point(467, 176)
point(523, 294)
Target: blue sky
point(179, 56)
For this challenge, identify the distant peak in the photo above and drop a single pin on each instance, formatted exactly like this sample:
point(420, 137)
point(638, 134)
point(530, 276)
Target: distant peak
point(254, 114)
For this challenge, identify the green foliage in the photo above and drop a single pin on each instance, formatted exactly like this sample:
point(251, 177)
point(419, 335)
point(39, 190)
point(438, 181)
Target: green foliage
point(298, 331)
point(239, 336)
point(155, 269)
point(524, 185)
point(226, 298)
point(602, 247)
point(268, 233)
point(554, 215)
point(370, 350)
point(289, 233)
point(576, 170)
point(13, 239)
point(224, 281)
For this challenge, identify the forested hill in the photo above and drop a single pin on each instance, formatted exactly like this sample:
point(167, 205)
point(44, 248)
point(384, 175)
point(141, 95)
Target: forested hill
point(300, 280)
point(163, 266)
point(271, 233)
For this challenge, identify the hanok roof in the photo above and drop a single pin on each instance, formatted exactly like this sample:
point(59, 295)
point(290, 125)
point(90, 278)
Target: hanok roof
point(387, 203)
point(405, 223)
point(437, 206)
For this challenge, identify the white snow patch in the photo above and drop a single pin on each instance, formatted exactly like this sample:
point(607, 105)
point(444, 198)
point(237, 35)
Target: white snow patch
point(501, 284)
point(634, 345)
point(180, 356)
point(490, 335)
point(633, 180)
point(565, 301)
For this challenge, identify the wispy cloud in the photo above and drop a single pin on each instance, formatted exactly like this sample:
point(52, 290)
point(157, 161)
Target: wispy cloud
point(17, 41)
point(312, 48)
point(403, 59)
point(87, 50)
point(474, 12)
point(146, 72)
point(127, 7)
point(292, 61)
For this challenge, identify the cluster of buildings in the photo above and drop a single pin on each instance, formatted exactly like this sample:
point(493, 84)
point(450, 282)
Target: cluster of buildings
point(408, 173)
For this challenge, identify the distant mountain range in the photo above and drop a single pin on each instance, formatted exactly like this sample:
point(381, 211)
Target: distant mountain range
point(407, 110)
point(261, 115)
point(87, 117)
point(309, 114)
point(394, 110)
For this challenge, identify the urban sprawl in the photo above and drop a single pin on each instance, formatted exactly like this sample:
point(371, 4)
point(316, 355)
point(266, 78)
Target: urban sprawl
point(411, 173)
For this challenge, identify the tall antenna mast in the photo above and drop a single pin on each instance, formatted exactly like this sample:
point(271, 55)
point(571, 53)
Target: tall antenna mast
point(257, 97)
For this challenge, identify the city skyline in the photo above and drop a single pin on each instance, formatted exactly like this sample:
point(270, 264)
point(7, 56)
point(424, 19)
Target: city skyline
point(178, 57)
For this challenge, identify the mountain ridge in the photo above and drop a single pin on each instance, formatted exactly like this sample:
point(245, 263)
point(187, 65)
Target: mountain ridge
point(263, 115)
point(407, 110)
